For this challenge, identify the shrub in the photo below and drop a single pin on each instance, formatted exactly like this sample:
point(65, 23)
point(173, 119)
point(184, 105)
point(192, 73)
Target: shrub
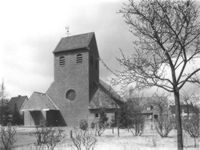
point(92, 125)
point(83, 140)
point(133, 118)
point(191, 126)
point(101, 124)
point(137, 125)
point(48, 137)
point(83, 125)
point(7, 135)
point(164, 124)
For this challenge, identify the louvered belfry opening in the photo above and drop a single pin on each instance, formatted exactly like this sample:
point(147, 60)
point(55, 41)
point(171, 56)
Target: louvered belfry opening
point(79, 58)
point(62, 60)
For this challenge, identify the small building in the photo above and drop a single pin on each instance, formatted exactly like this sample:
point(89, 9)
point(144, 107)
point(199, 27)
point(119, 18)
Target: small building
point(107, 100)
point(14, 106)
point(76, 92)
point(186, 110)
point(42, 110)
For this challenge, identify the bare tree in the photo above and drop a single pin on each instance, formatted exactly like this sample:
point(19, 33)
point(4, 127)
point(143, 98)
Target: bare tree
point(167, 37)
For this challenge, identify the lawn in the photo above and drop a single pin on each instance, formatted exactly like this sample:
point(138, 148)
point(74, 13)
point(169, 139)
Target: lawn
point(108, 141)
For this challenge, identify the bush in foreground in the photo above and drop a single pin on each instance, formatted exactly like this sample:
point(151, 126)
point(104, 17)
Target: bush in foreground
point(83, 140)
point(7, 135)
point(48, 137)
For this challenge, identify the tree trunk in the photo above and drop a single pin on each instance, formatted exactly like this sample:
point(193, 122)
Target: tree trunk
point(178, 120)
point(195, 143)
point(118, 121)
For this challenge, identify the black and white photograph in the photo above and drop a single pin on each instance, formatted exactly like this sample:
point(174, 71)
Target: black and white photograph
point(100, 75)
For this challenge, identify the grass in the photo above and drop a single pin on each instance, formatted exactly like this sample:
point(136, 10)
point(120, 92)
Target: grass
point(148, 141)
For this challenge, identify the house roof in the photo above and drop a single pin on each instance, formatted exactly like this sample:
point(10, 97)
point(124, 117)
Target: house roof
point(105, 97)
point(74, 42)
point(39, 101)
point(110, 91)
point(16, 102)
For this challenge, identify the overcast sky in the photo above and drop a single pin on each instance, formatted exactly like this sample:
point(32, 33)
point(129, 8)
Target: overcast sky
point(30, 30)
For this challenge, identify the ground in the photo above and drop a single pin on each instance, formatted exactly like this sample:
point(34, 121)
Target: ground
point(150, 140)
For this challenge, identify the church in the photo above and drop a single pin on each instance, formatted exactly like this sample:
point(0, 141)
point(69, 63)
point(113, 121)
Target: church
point(77, 92)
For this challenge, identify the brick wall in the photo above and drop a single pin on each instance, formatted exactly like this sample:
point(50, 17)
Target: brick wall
point(71, 76)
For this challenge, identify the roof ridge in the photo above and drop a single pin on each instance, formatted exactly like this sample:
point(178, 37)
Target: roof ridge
point(75, 35)
point(109, 86)
point(18, 96)
point(51, 101)
point(38, 92)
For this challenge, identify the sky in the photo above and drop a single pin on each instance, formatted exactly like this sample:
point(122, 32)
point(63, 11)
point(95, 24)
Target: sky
point(31, 29)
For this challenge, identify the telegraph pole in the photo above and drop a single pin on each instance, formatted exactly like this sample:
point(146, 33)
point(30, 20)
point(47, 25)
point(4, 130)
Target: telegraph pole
point(2, 98)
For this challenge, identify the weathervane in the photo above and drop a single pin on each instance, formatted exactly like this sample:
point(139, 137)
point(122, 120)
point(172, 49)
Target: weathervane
point(67, 29)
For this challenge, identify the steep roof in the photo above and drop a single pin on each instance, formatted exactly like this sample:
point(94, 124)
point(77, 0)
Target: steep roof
point(74, 42)
point(16, 103)
point(105, 97)
point(39, 101)
point(110, 91)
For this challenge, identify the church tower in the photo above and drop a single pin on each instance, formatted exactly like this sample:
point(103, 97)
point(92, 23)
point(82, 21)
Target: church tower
point(76, 76)
point(76, 92)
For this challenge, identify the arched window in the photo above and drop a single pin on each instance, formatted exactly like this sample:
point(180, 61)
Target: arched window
point(79, 58)
point(62, 60)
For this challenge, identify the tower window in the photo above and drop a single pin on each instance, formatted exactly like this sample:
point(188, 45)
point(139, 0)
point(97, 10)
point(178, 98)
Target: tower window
point(79, 58)
point(62, 60)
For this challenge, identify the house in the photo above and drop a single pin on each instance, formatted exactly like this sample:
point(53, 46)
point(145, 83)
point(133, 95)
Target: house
point(105, 99)
point(149, 109)
point(186, 110)
point(14, 106)
point(76, 92)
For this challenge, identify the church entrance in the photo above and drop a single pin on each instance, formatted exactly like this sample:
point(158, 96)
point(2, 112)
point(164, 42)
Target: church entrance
point(39, 117)
point(54, 118)
point(47, 118)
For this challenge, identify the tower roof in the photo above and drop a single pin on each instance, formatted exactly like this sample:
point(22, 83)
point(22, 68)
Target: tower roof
point(74, 42)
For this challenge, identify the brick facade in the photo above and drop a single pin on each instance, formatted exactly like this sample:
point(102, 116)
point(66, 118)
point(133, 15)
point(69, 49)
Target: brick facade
point(80, 77)
point(76, 80)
